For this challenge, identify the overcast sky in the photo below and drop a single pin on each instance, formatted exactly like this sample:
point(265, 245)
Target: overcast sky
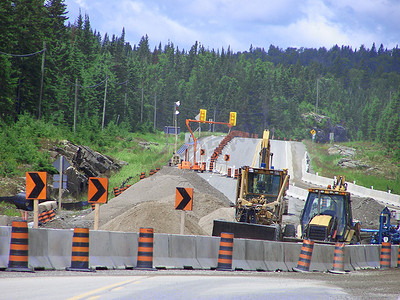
point(218, 24)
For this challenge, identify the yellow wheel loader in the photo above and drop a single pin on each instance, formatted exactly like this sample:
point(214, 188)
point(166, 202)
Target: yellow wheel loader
point(259, 201)
point(327, 215)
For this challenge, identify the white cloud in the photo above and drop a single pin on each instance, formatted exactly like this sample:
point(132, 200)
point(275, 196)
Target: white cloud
point(237, 23)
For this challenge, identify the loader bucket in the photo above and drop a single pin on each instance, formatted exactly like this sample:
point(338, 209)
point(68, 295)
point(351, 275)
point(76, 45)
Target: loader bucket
point(248, 231)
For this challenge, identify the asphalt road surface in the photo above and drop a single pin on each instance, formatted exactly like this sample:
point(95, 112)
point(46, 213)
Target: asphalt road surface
point(195, 284)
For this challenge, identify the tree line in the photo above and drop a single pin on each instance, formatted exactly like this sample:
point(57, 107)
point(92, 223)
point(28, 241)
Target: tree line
point(66, 72)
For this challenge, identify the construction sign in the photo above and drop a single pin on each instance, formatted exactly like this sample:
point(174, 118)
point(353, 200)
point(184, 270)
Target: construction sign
point(98, 190)
point(36, 185)
point(202, 152)
point(184, 198)
point(227, 157)
point(313, 132)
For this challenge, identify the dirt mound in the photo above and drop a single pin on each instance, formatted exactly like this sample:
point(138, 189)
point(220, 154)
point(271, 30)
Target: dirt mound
point(367, 211)
point(151, 203)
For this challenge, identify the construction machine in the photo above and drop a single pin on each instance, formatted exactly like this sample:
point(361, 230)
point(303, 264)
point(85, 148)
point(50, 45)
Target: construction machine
point(259, 200)
point(327, 215)
point(387, 231)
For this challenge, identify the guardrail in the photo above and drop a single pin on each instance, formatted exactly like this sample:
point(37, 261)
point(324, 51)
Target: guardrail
point(50, 249)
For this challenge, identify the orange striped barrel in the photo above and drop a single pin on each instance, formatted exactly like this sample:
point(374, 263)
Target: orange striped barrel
point(225, 251)
point(80, 250)
point(19, 247)
point(142, 175)
point(151, 172)
point(145, 249)
point(303, 264)
point(51, 214)
point(116, 191)
point(211, 166)
point(236, 173)
point(386, 254)
point(42, 218)
point(229, 172)
point(338, 259)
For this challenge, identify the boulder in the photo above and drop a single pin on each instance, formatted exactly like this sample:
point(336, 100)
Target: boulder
point(85, 163)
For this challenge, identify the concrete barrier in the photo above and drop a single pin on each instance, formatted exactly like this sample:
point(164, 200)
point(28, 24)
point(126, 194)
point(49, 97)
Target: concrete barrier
point(207, 251)
point(255, 255)
point(100, 250)
point(59, 247)
point(358, 259)
point(322, 257)
point(182, 249)
point(291, 254)
point(274, 257)
point(5, 240)
point(394, 253)
point(38, 249)
point(239, 255)
point(161, 257)
point(124, 247)
point(372, 255)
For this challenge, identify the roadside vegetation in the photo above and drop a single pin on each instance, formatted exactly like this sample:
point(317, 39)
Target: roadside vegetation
point(25, 146)
point(383, 171)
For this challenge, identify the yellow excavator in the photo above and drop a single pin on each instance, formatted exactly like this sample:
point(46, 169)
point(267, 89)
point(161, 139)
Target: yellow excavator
point(259, 203)
point(327, 215)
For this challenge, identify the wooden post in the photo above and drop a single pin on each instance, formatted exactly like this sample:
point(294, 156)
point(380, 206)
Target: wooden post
point(96, 216)
point(35, 213)
point(182, 222)
point(61, 182)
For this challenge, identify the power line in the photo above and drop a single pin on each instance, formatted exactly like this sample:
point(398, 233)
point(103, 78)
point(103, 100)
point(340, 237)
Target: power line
point(23, 55)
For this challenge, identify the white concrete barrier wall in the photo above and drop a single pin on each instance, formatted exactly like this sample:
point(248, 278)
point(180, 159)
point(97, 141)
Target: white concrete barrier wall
point(5, 239)
point(52, 248)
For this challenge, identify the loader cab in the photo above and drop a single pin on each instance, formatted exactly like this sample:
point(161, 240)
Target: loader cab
point(256, 182)
point(326, 215)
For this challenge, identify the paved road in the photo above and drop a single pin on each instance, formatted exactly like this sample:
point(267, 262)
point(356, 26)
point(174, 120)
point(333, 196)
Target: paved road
point(195, 284)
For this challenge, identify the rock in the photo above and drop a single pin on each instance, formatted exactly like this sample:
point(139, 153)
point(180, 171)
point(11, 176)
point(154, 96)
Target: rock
point(85, 163)
point(4, 220)
point(352, 164)
point(341, 150)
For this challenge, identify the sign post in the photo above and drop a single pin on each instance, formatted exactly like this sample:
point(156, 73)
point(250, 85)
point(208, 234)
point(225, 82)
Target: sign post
point(98, 192)
point(36, 189)
point(61, 165)
point(183, 201)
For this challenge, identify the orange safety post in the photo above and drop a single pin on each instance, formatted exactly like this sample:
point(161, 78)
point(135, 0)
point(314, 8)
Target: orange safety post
point(225, 252)
point(386, 255)
point(338, 259)
point(80, 250)
point(19, 248)
point(145, 249)
point(303, 265)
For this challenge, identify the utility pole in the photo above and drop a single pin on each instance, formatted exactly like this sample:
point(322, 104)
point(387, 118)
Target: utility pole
point(155, 111)
point(76, 103)
point(41, 82)
point(104, 105)
point(141, 109)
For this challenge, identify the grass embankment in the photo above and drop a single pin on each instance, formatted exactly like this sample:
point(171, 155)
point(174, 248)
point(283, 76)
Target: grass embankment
point(25, 147)
point(383, 172)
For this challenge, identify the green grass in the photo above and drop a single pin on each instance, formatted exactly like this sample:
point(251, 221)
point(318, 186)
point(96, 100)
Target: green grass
point(8, 210)
point(383, 174)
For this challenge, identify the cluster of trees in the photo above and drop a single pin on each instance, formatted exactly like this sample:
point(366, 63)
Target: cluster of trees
point(274, 88)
